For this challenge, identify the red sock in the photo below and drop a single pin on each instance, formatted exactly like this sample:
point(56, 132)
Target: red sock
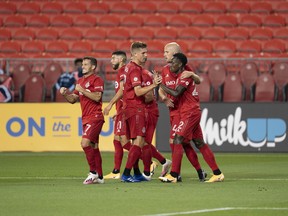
point(133, 156)
point(209, 157)
point(90, 157)
point(146, 157)
point(192, 156)
point(177, 158)
point(156, 154)
point(98, 162)
point(127, 146)
point(118, 155)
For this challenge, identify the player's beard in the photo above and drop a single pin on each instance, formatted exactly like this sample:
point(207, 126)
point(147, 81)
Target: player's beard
point(116, 66)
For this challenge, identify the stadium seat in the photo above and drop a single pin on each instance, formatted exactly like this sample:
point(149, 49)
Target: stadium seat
point(250, 20)
point(202, 20)
point(1, 21)
point(213, 34)
point(85, 20)
point(189, 33)
point(281, 8)
point(233, 90)
point(56, 96)
point(47, 34)
point(217, 74)
point(214, 7)
point(250, 47)
point(169, 34)
point(137, 34)
point(274, 46)
point(167, 7)
point(10, 47)
point(98, 7)
point(227, 21)
point(52, 8)
point(33, 47)
point(51, 73)
point(190, 7)
point(104, 47)
point(179, 20)
point(5, 34)
point(280, 75)
point(70, 33)
point(224, 48)
point(7, 7)
point(55, 47)
point(81, 47)
point(38, 21)
point(74, 8)
point(125, 46)
point(198, 47)
point(33, 89)
point(249, 74)
point(261, 34)
point(265, 88)
point(122, 8)
point(205, 89)
point(237, 34)
point(281, 33)
point(145, 7)
point(261, 7)
point(28, 8)
point(118, 34)
point(132, 20)
point(61, 21)
point(274, 21)
point(109, 73)
point(238, 7)
point(23, 34)
point(155, 48)
point(14, 21)
point(94, 34)
point(155, 21)
point(109, 20)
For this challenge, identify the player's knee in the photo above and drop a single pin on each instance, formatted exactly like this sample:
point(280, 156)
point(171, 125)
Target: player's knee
point(198, 143)
point(178, 139)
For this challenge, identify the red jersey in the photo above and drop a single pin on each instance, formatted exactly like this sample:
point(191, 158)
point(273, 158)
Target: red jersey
point(147, 81)
point(90, 108)
point(133, 74)
point(120, 77)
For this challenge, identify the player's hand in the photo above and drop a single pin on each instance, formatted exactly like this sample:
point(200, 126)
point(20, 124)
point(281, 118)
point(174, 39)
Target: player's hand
point(107, 110)
point(157, 79)
point(186, 74)
point(63, 90)
point(168, 102)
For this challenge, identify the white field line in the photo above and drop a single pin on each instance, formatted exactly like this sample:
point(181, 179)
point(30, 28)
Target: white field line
point(219, 209)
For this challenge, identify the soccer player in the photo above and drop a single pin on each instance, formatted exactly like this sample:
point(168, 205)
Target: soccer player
point(134, 111)
point(169, 79)
point(189, 125)
point(89, 90)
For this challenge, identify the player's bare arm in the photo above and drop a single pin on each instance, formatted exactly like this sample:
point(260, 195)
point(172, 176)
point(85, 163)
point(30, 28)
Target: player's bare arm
point(116, 98)
point(71, 98)
point(149, 96)
point(166, 100)
point(186, 74)
point(139, 91)
point(96, 96)
point(174, 92)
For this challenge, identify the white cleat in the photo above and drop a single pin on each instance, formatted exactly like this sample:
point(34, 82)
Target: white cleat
point(166, 167)
point(91, 178)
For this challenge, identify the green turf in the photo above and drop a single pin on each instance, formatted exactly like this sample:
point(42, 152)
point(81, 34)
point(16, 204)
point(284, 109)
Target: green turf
point(51, 184)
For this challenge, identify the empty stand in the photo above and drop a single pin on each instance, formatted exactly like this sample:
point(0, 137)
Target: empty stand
point(142, 34)
point(122, 8)
point(249, 74)
point(280, 74)
point(168, 34)
point(98, 8)
point(281, 8)
point(155, 48)
point(28, 8)
point(227, 21)
point(265, 88)
point(81, 47)
point(38, 20)
point(74, 8)
point(203, 20)
point(233, 90)
point(200, 47)
point(7, 8)
point(52, 8)
point(85, 20)
point(261, 7)
point(250, 47)
point(47, 34)
point(23, 34)
point(217, 74)
point(55, 47)
point(274, 21)
point(204, 88)
point(109, 72)
point(51, 73)
point(33, 89)
point(213, 34)
point(33, 47)
point(104, 47)
point(61, 21)
point(274, 46)
point(238, 7)
point(132, 20)
point(261, 34)
point(168, 7)
point(281, 33)
point(189, 33)
point(155, 21)
point(5, 34)
point(14, 21)
point(224, 48)
point(94, 34)
point(191, 7)
point(145, 7)
point(250, 20)
point(237, 34)
point(118, 34)
point(10, 47)
point(109, 20)
point(214, 7)
point(70, 34)
point(179, 20)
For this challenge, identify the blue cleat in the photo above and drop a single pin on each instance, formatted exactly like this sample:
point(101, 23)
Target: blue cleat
point(129, 178)
point(142, 177)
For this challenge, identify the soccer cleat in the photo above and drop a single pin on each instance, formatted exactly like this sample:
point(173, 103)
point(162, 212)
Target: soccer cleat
point(91, 178)
point(142, 177)
point(112, 176)
point(98, 181)
point(203, 176)
point(166, 167)
point(179, 179)
point(129, 178)
point(153, 167)
point(216, 178)
point(168, 178)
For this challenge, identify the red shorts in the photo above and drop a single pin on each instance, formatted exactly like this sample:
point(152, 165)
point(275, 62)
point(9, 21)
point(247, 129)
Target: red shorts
point(189, 126)
point(92, 130)
point(135, 126)
point(119, 125)
point(174, 121)
point(151, 124)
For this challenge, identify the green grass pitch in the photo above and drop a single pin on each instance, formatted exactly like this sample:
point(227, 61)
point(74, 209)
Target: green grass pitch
point(51, 184)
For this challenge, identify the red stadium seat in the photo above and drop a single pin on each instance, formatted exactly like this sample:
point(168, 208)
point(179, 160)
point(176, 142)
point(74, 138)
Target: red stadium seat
point(124, 46)
point(110, 73)
point(274, 46)
point(227, 21)
point(203, 20)
point(10, 47)
point(214, 7)
point(249, 74)
point(38, 21)
point(7, 8)
point(232, 88)
point(118, 34)
point(168, 7)
point(249, 46)
point(109, 20)
point(280, 74)
point(33, 89)
point(281, 33)
point(145, 7)
point(123, 8)
point(33, 47)
point(166, 34)
point(57, 47)
point(155, 48)
point(261, 7)
point(250, 20)
point(261, 34)
point(51, 73)
point(199, 47)
point(155, 21)
point(14, 21)
point(52, 8)
point(189, 33)
point(104, 47)
point(94, 34)
point(179, 20)
point(71, 34)
point(61, 21)
point(238, 7)
point(237, 34)
point(5, 34)
point(274, 21)
point(74, 8)
point(281, 8)
point(217, 74)
point(191, 7)
point(47, 34)
point(81, 47)
point(98, 8)
point(23, 34)
point(137, 34)
point(28, 8)
point(213, 34)
point(133, 20)
point(85, 20)
point(224, 48)
point(265, 88)
point(204, 88)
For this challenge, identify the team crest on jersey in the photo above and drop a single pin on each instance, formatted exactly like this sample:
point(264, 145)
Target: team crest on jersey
point(135, 79)
point(87, 85)
point(143, 130)
point(187, 83)
point(116, 85)
point(126, 69)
